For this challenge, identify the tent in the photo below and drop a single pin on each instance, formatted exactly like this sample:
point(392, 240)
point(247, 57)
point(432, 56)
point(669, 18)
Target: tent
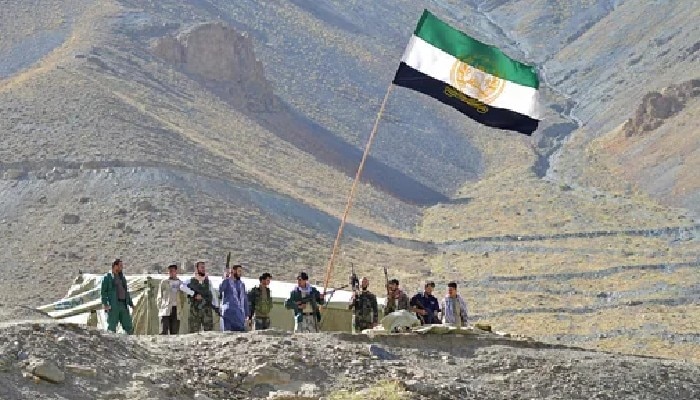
point(82, 304)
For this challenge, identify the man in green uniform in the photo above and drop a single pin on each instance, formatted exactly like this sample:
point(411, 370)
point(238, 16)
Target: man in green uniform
point(364, 304)
point(201, 314)
point(116, 299)
point(260, 300)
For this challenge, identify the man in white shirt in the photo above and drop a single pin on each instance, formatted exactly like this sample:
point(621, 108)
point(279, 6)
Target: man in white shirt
point(171, 302)
point(454, 308)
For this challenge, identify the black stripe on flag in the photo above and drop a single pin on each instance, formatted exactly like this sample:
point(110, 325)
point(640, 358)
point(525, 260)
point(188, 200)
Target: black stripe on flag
point(474, 109)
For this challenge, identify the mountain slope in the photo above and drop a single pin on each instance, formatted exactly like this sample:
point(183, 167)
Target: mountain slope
point(164, 131)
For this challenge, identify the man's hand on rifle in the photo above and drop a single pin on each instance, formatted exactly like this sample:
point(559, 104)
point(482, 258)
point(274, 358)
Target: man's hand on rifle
point(198, 297)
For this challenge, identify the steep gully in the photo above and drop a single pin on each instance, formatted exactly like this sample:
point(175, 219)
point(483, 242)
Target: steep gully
point(546, 157)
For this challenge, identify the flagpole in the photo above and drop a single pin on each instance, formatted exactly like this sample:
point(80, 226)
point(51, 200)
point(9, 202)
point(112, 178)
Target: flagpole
point(336, 244)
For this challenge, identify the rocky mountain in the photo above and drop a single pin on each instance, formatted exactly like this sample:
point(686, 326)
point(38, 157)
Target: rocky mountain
point(162, 131)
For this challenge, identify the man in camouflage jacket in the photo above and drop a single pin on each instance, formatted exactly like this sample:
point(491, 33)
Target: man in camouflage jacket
point(364, 304)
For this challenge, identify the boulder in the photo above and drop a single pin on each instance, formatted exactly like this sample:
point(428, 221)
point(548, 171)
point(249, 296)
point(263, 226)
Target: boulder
point(266, 374)
point(47, 370)
point(71, 219)
point(381, 353)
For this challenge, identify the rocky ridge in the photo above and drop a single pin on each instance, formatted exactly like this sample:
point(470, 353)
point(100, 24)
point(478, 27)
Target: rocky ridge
point(42, 360)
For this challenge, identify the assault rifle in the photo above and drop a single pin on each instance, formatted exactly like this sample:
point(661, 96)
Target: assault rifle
point(388, 293)
point(227, 269)
point(354, 281)
point(386, 279)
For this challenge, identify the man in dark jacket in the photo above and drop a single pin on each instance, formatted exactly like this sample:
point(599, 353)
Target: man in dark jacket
point(116, 299)
point(426, 306)
point(305, 300)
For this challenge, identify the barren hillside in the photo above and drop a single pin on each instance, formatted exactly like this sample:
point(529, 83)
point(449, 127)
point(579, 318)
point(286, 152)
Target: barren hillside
point(162, 131)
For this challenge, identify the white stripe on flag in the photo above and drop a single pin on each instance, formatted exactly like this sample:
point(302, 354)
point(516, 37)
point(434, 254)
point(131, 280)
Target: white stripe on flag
point(428, 59)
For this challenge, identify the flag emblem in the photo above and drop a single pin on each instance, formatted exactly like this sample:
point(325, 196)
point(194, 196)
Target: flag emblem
point(475, 82)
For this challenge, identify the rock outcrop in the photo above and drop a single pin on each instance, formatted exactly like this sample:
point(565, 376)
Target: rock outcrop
point(659, 106)
point(220, 57)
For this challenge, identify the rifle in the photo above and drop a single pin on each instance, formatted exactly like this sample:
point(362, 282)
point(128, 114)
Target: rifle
point(386, 279)
point(228, 264)
point(388, 293)
point(354, 282)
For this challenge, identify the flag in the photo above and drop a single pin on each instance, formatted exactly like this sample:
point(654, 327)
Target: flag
point(477, 79)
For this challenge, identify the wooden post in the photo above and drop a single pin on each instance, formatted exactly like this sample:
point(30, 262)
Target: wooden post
point(336, 244)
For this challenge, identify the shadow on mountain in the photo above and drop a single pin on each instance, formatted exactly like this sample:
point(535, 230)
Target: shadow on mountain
point(224, 61)
point(329, 149)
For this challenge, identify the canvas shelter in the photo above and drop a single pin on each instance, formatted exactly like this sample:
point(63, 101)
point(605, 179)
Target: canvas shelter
point(82, 304)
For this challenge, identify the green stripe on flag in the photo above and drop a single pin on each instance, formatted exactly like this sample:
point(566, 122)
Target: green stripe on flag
point(471, 51)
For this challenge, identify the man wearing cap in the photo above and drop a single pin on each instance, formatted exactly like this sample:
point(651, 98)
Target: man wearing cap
point(260, 300)
point(116, 299)
point(305, 301)
point(425, 305)
point(171, 302)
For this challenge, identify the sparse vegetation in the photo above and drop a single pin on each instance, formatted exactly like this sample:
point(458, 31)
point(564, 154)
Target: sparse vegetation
point(390, 390)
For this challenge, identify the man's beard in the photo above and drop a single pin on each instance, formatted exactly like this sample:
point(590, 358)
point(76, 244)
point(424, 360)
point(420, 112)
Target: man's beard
point(236, 277)
point(364, 287)
point(201, 273)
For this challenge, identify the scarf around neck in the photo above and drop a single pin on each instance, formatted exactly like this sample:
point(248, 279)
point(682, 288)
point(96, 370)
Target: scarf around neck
point(306, 290)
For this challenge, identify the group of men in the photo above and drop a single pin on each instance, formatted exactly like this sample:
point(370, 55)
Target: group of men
point(452, 310)
point(242, 310)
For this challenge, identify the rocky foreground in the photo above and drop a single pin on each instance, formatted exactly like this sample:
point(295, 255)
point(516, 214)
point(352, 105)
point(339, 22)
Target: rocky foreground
point(47, 360)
